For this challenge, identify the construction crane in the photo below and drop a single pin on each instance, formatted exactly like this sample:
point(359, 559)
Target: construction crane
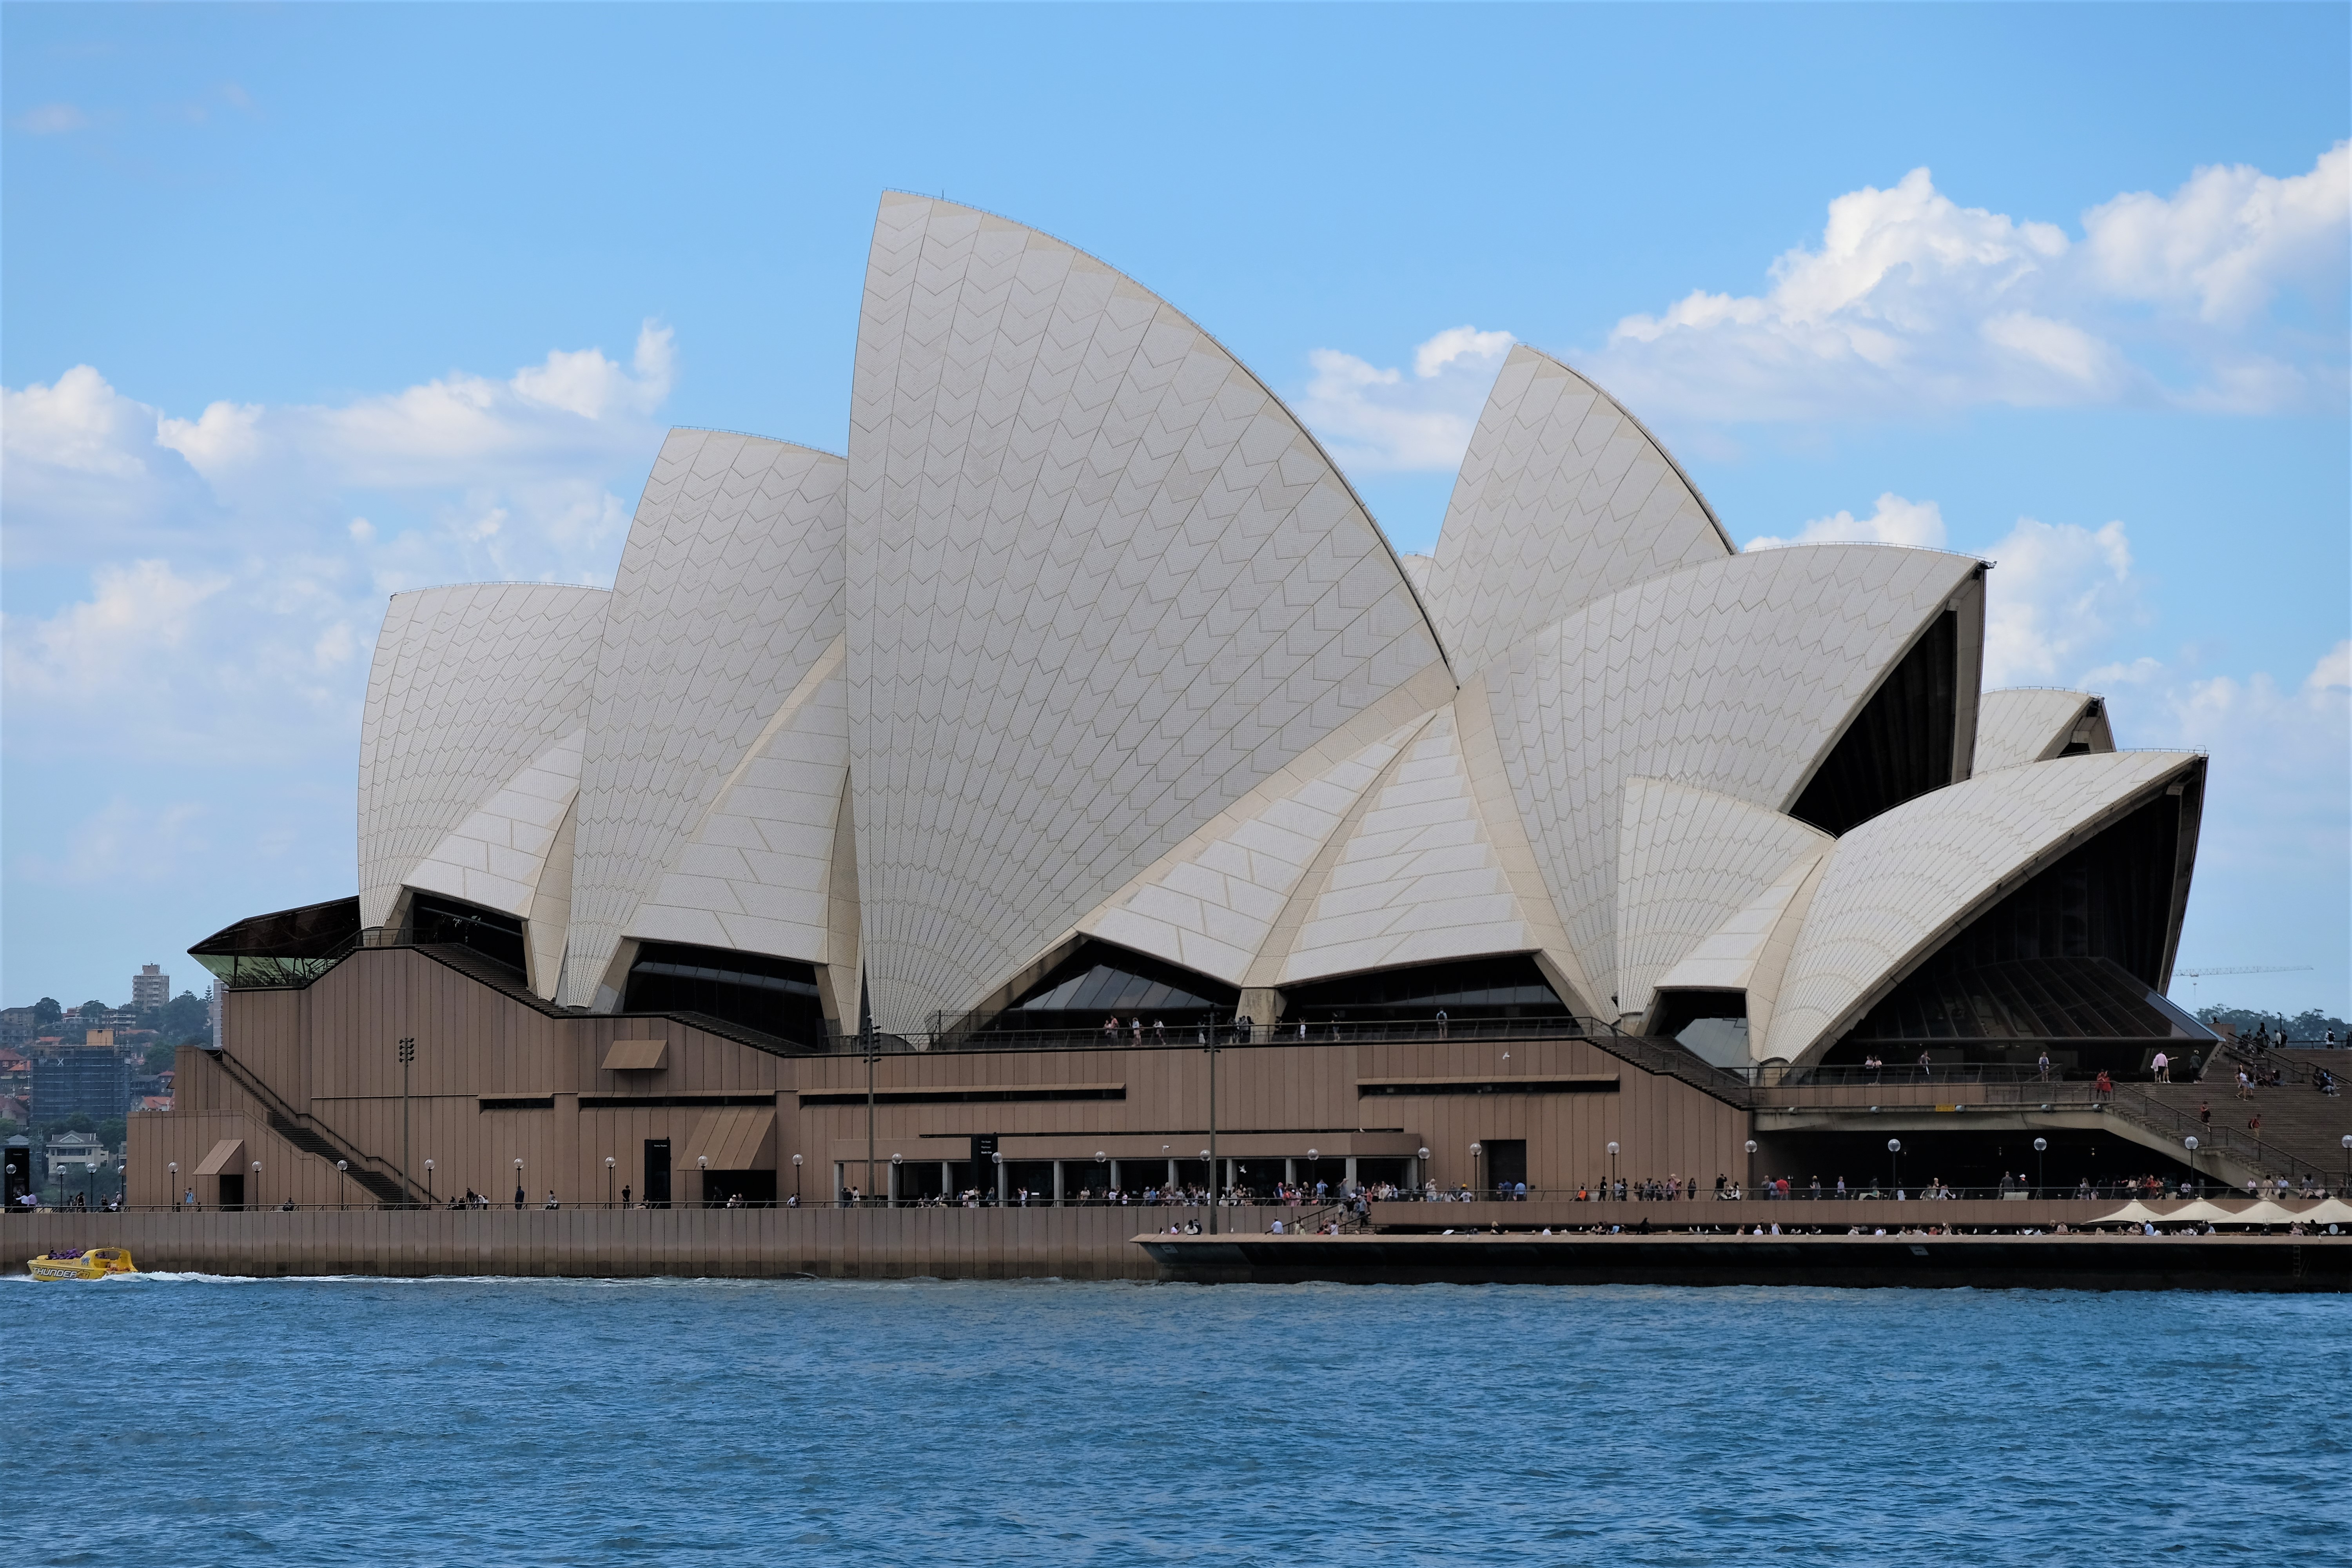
point(2197, 974)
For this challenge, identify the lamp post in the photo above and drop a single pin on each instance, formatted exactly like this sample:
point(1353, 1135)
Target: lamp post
point(407, 1056)
point(2347, 1164)
point(122, 1185)
point(796, 1180)
point(702, 1171)
point(2189, 1143)
point(1751, 1166)
point(2042, 1147)
point(897, 1162)
point(174, 1168)
point(1421, 1186)
point(996, 1159)
point(610, 1165)
point(342, 1167)
point(1312, 1157)
point(1613, 1169)
point(1211, 1153)
point(1101, 1158)
point(1478, 1172)
point(253, 1199)
point(865, 1038)
point(428, 1184)
point(518, 1181)
point(1894, 1163)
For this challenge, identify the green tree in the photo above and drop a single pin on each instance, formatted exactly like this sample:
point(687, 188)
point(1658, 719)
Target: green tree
point(46, 1012)
point(90, 1007)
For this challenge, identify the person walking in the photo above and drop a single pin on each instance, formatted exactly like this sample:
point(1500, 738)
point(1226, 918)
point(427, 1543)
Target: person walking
point(2163, 1068)
point(2043, 1066)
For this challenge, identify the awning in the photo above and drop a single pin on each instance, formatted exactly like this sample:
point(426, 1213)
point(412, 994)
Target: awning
point(733, 1139)
point(229, 1154)
point(636, 1056)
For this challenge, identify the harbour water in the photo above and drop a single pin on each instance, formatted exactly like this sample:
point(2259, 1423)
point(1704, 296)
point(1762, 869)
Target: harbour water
point(184, 1420)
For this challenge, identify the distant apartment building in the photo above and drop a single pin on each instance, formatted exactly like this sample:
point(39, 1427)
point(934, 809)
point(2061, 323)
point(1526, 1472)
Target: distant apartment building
point(92, 1079)
point(79, 1152)
point(151, 987)
point(16, 1071)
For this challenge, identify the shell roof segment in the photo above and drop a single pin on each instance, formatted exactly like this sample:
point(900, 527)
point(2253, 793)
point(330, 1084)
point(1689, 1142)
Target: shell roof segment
point(1563, 497)
point(2028, 724)
point(1735, 677)
point(1903, 881)
point(1101, 586)
point(469, 683)
point(730, 590)
point(1689, 861)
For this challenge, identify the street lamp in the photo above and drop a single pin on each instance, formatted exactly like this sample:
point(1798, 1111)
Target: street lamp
point(996, 1159)
point(343, 1167)
point(796, 1180)
point(2189, 1143)
point(518, 1181)
point(1751, 1163)
point(253, 1199)
point(1421, 1185)
point(897, 1162)
point(173, 1167)
point(2042, 1147)
point(702, 1165)
point(429, 1182)
point(2347, 1164)
point(1613, 1169)
point(1894, 1148)
point(1478, 1172)
point(1312, 1157)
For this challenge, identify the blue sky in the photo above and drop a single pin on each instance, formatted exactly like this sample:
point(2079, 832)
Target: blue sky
point(306, 305)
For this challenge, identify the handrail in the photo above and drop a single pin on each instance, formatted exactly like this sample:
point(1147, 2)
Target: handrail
point(253, 1084)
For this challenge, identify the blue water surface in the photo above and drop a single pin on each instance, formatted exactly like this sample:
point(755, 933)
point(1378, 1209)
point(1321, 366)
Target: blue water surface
point(188, 1420)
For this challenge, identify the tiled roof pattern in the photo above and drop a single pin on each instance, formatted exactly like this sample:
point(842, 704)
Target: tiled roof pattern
point(1906, 878)
point(468, 684)
point(1419, 878)
point(495, 855)
point(1688, 860)
point(1101, 584)
point(2025, 725)
point(1735, 676)
point(1562, 497)
point(731, 587)
point(756, 876)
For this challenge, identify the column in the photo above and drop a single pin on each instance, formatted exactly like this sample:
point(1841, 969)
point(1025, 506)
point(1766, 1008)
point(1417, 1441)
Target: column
point(1290, 1172)
point(1057, 1183)
point(1351, 1174)
point(891, 1182)
point(1114, 1175)
point(999, 1184)
point(834, 1196)
point(947, 1180)
point(1171, 1180)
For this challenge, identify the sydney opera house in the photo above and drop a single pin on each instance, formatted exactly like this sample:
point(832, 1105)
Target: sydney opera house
point(1081, 716)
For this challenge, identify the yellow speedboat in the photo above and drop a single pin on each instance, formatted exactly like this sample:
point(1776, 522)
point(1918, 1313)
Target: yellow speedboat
point(90, 1263)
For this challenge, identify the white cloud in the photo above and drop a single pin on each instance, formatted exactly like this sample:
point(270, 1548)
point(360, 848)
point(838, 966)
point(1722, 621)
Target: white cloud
point(52, 120)
point(140, 616)
point(1896, 522)
point(1382, 420)
point(1911, 302)
point(120, 842)
point(238, 559)
point(2056, 593)
point(2223, 243)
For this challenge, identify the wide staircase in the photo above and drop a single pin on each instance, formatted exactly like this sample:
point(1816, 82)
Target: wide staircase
point(2302, 1129)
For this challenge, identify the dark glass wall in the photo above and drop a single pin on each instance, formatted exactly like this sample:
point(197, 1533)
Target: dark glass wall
point(437, 921)
point(1510, 987)
point(2075, 955)
point(776, 996)
point(1100, 981)
point(1900, 745)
